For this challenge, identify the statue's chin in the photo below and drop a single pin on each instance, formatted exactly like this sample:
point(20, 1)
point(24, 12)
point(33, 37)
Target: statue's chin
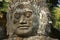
point(22, 32)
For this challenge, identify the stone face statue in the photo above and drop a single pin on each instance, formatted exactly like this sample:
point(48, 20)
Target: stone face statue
point(27, 20)
point(24, 19)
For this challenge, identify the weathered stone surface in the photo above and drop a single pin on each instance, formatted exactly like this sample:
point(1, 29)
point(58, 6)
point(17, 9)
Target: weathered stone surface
point(28, 20)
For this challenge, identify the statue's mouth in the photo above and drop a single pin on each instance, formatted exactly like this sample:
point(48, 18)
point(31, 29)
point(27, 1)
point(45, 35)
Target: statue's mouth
point(23, 27)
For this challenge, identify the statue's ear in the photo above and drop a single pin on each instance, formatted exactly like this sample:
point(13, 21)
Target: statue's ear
point(8, 25)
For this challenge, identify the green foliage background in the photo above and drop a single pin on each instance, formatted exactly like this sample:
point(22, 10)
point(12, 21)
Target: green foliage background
point(4, 6)
point(55, 12)
point(56, 17)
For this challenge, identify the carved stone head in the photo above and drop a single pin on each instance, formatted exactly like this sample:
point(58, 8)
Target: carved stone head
point(23, 19)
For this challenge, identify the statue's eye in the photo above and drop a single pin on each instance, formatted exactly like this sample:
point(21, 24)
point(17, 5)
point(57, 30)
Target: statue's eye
point(17, 15)
point(28, 14)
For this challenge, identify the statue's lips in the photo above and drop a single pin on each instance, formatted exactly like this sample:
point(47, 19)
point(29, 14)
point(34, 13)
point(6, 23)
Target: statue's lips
point(23, 27)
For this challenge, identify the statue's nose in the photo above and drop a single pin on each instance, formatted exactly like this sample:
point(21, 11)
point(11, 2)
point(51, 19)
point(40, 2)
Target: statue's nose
point(22, 20)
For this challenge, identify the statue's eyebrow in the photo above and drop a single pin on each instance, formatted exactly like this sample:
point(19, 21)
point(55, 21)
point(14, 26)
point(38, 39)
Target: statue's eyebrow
point(23, 10)
point(27, 9)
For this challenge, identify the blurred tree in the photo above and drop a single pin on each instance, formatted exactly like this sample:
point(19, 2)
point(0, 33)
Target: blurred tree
point(52, 2)
point(56, 17)
point(1, 3)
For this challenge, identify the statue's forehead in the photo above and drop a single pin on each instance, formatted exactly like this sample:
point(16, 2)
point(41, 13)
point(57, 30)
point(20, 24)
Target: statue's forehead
point(28, 2)
point(23, 5)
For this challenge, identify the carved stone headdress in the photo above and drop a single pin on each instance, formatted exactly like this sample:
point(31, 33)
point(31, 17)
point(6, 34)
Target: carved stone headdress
point(34, 5)
point(14, 5)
